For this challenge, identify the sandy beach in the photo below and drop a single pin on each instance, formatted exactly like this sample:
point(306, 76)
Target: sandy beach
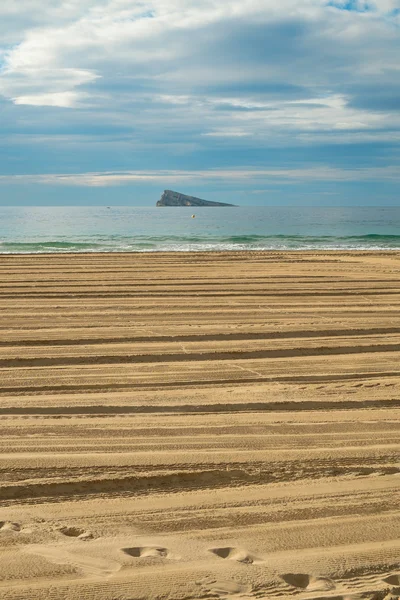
point(200, 425)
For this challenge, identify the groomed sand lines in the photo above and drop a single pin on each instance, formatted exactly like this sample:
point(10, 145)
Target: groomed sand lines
point(190, 426)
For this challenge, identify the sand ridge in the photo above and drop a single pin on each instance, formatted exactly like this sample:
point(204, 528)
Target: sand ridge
point(200, 425)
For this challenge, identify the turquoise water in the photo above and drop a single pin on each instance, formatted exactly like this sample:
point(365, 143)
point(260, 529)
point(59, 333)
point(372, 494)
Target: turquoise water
point(126, 229)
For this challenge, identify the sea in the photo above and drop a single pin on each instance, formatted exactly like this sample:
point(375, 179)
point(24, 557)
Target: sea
point(151, 229)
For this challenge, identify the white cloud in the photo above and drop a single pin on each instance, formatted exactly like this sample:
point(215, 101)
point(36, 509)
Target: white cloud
point(46, 86)
point(227, 133)
point(199, 72)
point(249, 175)
point(59, 99)
point(330, 113)
point(157, 38)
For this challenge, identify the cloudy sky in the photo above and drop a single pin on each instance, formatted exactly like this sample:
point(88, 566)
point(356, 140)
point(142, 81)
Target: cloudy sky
point(253, 101)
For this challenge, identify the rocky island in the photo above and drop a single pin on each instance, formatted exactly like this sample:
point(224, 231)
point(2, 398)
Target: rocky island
point(170, 198)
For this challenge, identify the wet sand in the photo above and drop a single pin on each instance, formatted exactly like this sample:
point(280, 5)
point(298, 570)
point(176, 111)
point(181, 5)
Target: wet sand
point(200, 425)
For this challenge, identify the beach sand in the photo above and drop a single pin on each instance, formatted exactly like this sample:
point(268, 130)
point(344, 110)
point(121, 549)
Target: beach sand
point(200, 425)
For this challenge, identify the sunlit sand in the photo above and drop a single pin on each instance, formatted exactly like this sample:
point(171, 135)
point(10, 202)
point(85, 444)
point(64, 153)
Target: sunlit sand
point(200, 425)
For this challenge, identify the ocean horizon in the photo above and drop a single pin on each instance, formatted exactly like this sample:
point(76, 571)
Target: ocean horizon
point(38, 230)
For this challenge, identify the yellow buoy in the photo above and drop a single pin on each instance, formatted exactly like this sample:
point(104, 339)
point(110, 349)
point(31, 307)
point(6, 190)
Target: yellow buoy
point(193, 216)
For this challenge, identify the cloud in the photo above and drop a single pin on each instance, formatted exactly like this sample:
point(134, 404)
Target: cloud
point(111, 84)
point(195, 43)
point(59, 99)
point(249, 175)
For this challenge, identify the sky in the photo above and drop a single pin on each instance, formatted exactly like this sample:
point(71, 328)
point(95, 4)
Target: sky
point(254, 102)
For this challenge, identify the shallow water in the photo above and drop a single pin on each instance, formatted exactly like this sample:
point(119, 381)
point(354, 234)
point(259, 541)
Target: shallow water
point(125, 229)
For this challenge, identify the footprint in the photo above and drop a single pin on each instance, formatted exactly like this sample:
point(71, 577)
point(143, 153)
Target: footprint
point(393, 580)
point(76, 532)
point(148, 551)
point(9, 526)
point(308, 582)
point(224, 588)
point(238, 554)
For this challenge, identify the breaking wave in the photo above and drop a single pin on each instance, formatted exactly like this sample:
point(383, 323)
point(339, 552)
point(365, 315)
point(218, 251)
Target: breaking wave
point(139, 243)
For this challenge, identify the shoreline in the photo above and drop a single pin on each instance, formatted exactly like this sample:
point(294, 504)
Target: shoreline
point(207, 252)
